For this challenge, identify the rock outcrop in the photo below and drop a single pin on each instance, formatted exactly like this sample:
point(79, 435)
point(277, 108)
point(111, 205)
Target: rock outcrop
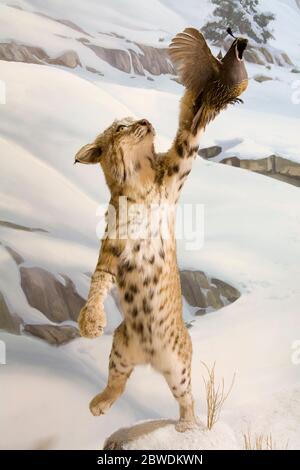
point(8, 320)
point(124, 436)
point(57, 301)
point(274, 166)
point(153, 60)
point(210, 152)
point(162, 435)
point(135, 58)
point(14, 52)
point(262, 56)
point(53, 334)
point(208, 294)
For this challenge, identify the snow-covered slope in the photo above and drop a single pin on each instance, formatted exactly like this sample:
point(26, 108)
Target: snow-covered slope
point(253, 337)
point(251, 224)
point(266, 124)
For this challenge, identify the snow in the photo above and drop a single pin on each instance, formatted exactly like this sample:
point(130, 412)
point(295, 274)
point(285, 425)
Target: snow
point(167, 438)
point(285, 26)
point(251, 230)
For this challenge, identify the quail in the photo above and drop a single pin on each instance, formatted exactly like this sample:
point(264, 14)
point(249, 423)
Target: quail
point(214, 82)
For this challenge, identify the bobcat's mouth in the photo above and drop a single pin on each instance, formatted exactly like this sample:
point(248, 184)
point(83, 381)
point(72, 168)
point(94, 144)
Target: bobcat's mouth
point(143, 128)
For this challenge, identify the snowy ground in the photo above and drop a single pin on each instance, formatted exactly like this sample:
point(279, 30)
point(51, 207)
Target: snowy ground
point(251, 228)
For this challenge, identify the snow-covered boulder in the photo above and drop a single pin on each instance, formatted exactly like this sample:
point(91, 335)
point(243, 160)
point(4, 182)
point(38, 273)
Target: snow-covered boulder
point(162, 435)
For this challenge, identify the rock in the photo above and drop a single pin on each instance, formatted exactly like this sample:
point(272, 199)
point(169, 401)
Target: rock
point(261, 55)
point(119, 59)
point(279, 61)
point(267, 55)
point(295, 70)
point(137, 66)
point(253, 56)
point(213, 299)
point(286, 58)
point(205, 293)
point(58, 302)
point(260, 165)
point(91, 69)
point(119, 439)
point(151, 59)
point(16, 257)
point(284, 166)
point(35, 55)
point(53, 334)
point(200, 312)
point(5, 223)
point(262, 78)
point(69, 59)
point(162, 435)
point(226, 290)
point(8, 321)
point(283, 59)
point(275, 166)
point(20, 53)
point(210, 152)
point(155, 60)
point(192, 283)
point(233, 161)
point(83, 40)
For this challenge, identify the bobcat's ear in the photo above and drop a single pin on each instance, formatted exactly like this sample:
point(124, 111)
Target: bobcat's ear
point(89, 154)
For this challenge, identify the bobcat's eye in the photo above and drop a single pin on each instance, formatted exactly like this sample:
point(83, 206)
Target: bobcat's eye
point(121, 128)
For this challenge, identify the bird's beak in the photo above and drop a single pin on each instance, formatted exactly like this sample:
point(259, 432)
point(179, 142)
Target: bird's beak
point(240, 46)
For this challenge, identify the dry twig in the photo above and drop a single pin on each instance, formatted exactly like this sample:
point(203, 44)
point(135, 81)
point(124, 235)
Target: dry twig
point(215, 395)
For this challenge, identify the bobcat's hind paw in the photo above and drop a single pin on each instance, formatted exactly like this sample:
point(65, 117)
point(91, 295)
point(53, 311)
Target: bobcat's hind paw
point(183, 426)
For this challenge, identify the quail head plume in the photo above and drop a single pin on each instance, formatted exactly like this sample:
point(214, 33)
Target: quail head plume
point(214, 82)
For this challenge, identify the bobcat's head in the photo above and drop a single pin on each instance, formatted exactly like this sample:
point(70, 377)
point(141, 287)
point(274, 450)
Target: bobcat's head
point(125, 152)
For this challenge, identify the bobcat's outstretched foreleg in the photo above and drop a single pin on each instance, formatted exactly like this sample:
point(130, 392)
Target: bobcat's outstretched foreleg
point(92, 319)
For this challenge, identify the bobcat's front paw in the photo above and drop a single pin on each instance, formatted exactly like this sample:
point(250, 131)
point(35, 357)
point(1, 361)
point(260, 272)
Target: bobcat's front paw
point(91, 321)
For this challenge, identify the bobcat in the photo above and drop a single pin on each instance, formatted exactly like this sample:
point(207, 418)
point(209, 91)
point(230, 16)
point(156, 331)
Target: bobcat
point(143, 268)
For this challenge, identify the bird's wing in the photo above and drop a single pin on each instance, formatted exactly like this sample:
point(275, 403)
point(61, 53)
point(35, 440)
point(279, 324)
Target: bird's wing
point(194, 62)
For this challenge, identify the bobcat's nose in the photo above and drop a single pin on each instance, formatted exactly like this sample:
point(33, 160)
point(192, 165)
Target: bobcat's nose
point(144, 122)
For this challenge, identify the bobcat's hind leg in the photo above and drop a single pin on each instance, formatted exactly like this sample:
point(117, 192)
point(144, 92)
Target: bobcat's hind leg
point(120, 369)
point(178, 380)
point(176, 368)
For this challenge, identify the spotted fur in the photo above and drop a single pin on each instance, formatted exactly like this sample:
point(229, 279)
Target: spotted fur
point(144, 270)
